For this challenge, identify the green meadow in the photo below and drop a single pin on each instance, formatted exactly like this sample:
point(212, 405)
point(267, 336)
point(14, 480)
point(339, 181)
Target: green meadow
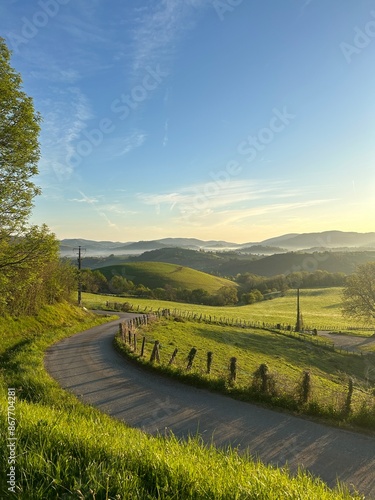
point(287, 359)
point(321, 309)
point(68, 450)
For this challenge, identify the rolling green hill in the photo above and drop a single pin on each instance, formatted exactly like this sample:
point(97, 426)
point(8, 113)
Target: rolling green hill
point(159, 274)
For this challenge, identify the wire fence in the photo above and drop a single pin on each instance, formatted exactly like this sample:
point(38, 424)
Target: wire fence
point(307, 334)
point(349, 397)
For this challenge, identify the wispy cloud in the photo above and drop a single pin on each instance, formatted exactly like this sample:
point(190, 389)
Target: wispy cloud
point(232, 202)
point(97, 205)
point(238, 216)
point(127, 144)
point(214, 195)
point(65, 116)
point(157, 29)
point(107, 211)
point(85, 199)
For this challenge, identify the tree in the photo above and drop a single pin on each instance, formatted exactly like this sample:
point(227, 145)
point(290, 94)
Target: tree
point(359, 293)
point(19, 149)
point(226, 295)
point(119, 284)
point(31, 274)
point(94, 281)
point(252, 297)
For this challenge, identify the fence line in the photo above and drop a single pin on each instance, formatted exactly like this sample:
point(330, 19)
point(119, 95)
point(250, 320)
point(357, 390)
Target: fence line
point(261, 381)
point(309, 334)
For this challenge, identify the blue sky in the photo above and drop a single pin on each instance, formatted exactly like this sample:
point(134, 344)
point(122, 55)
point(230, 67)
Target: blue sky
point(215, 119)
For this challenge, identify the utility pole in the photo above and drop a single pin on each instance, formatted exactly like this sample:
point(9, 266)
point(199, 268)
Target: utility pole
point(299, 325)
point(79, 250)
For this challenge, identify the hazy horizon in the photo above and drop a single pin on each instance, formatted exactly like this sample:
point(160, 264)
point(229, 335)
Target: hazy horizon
point(199, 118)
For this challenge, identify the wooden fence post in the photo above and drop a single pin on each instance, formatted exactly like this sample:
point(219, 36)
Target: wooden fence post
point(134, 342)
point(121, 331)
point(173, 357)
point(191, 357)
point(233, 369)
point(209, 361)
point(155, 356)
point(306, 387)
point(143, 346)
point(348, 402)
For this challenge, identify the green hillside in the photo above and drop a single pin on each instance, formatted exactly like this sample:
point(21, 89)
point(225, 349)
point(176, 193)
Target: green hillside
point(159, 274)
point(286, 263)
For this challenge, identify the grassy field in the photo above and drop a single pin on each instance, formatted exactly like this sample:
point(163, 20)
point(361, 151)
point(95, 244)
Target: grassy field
point(287, 359)
point(68, 450)
point(321, 309)
point(159, 274)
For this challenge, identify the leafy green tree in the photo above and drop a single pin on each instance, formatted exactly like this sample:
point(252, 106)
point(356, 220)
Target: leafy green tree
point(359, 293)
point(31, 274)
point(93, 281)
point(252, 297)
point(19, 149)
point(159, 293)
point(226, 295)
point(199, 296)
point(142, 291)
point(119, 284)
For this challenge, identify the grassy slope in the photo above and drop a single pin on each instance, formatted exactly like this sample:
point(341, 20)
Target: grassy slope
point(286, 358)
point(69, 450)
point(320, 309)
point(159, 274)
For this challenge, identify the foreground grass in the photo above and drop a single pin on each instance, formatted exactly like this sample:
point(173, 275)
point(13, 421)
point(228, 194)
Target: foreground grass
point(69, 450)
point(321, 309)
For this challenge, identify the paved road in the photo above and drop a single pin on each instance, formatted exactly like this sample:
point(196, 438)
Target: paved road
point(349, 342)
point(87, 365)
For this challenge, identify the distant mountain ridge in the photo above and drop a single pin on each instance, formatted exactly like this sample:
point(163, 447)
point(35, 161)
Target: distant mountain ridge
point(326, 239)
point(293, 241)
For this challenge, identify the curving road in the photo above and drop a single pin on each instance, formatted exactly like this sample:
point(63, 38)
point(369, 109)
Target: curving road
point(87, 365)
